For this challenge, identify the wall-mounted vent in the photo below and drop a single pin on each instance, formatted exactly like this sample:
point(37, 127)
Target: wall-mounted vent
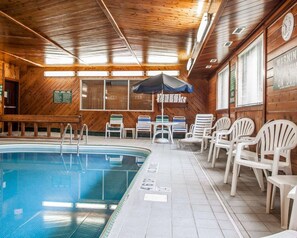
point(228, 43)
point(238, 30)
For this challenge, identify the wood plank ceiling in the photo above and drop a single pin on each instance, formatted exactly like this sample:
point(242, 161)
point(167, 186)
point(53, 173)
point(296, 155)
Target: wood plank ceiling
point(136, 33)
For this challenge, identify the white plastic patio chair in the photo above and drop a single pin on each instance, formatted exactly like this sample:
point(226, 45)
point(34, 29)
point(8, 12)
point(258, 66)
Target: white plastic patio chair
point(202, 121)
point(143, 125)
point(181, 127)
point(285, 183)
point(276, 139)
point(210, 133)
point(292, 232)
point(115, 125)
point(226, 139)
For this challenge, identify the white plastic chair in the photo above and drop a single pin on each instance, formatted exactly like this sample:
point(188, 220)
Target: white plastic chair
point(292, 233)
point(181, 127)
point(115, 125)
point(143, 125)
point(285, 183)
point(242, 127)
point(202, 121)
point(276, 139)
point(210, 133)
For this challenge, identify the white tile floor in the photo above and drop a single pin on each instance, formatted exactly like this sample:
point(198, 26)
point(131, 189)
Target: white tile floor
point(199, 204)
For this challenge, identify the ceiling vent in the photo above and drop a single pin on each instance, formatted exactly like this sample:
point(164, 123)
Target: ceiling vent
point(238, 30)
point(228, 43)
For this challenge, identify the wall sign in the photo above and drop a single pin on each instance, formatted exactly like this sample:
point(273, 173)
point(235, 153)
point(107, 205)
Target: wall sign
point(62, 96)
point(232, 83)
point(285, 70)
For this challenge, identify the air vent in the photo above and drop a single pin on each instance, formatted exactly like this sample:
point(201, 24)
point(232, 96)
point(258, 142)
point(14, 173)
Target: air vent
point(228, 43)
point(213, 60)
point(208, 66)
point(238, 30)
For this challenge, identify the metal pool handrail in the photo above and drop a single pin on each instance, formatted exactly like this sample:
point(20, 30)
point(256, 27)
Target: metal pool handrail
point(84, 127)
point(63, 137)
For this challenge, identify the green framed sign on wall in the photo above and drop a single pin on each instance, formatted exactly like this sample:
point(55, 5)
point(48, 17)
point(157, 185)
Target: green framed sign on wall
point(62, 96)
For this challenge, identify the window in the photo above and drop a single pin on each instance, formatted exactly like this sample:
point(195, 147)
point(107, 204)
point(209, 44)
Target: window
point(113, 95)
point(139, 100)
point(223, 89)
point(250, 75)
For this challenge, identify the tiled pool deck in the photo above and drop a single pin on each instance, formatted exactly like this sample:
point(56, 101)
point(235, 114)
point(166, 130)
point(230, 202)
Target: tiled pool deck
point(198, 205)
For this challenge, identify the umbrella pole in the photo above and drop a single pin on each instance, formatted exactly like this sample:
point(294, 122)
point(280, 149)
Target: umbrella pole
point(162, 113)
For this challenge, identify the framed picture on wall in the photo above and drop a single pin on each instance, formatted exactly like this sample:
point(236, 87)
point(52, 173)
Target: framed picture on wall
point(232, 83)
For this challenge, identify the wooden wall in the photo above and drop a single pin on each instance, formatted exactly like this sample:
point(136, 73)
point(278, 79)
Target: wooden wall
point(277, 104)
point(37, 92)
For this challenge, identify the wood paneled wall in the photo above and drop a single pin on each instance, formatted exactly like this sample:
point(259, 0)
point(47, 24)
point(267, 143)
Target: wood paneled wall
point(278, 104)
point(37, 98)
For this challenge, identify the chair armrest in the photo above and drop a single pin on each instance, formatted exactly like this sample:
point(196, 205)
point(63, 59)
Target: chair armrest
point(207, 131)
point(188, 135)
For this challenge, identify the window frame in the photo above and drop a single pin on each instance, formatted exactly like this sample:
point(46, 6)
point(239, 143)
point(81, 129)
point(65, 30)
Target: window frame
point(104, 102)
point(226, 68)
point(251, 45)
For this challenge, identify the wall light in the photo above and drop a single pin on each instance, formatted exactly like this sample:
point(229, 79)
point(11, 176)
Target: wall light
point(203, 26)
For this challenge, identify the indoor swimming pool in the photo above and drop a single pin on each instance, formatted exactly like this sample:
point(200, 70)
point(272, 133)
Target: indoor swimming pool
point(46, 194)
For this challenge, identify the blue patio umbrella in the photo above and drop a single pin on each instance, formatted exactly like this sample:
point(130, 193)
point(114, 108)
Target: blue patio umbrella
point(162, 83)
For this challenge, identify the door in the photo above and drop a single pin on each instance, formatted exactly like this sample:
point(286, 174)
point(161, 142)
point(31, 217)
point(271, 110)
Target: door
point(11, 99)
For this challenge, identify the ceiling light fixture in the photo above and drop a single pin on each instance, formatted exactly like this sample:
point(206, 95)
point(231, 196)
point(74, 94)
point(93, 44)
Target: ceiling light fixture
point(203, 27)
point(238, 30)
point(228, 43)
point(213, 60)
point(208, 66)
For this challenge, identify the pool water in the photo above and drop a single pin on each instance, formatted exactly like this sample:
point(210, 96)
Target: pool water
point(49, 195)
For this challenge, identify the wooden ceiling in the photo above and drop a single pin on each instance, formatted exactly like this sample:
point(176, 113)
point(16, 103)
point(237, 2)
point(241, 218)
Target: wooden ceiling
point(126, 33)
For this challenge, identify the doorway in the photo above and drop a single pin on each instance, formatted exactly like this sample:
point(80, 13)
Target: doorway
point(11, 100)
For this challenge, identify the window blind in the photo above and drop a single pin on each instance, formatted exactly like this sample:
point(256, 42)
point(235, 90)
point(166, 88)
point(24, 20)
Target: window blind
point(250, 75)
point(223, 89)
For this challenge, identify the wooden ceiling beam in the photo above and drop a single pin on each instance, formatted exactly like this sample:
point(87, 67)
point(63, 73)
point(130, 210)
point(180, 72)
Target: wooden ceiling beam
point(115, 26)
point(40, 36)
point(21, 58)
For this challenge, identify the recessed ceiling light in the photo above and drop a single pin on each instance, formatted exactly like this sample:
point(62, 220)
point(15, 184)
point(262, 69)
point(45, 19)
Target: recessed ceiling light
point(208, 66)
point(213, 60)
point(238, 30)
point(228, 43)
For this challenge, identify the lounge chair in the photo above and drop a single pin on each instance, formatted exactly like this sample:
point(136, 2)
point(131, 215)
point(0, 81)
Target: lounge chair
point(181, 127)
point(202, 121)
point(115, 125)
point(143, 125)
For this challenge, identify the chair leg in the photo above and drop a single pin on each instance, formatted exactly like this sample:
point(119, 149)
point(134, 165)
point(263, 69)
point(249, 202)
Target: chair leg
point(259, 177)
point(268, 196)
point(214, 156)
point(273, 197)
point(234, 179)
point(210, 152)
point(228, 165)
point(285, 203)
point(202, 146)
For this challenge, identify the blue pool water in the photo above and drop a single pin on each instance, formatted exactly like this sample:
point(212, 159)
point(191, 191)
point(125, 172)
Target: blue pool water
point(49, 195)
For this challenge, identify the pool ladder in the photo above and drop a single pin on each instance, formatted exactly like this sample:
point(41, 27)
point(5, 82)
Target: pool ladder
point(84, 128)
point(63, 137)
